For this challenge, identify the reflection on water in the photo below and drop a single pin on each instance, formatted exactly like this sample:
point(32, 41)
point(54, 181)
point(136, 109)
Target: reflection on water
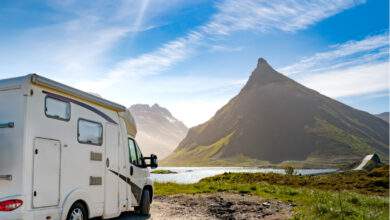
point(194, 174)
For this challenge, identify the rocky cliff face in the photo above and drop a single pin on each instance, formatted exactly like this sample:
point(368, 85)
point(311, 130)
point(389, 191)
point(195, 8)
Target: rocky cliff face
point(276, 119)
point(158, 131)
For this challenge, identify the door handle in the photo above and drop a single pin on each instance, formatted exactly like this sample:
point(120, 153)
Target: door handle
point(107, 162)
point(131, 170)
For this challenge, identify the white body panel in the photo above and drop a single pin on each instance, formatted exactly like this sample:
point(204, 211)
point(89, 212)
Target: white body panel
point(11, 144)
point(64, 170)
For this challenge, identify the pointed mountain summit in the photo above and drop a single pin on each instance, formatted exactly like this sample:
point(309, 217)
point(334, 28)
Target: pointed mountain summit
point(264, 74)
point(275, 119)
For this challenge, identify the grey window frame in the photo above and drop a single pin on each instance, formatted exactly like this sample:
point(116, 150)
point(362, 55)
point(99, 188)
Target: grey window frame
point(78, 132)
point(54, 117)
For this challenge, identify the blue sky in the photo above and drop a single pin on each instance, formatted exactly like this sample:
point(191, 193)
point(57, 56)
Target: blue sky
point(193, 56)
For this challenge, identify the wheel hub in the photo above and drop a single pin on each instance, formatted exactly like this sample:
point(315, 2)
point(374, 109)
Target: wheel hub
point(77, 214)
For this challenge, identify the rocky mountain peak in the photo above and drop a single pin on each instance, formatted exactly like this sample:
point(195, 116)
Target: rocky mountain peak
point(262, 63)
point(155, 107)
point(159, 131)
point(139, 107)
point(264, 74)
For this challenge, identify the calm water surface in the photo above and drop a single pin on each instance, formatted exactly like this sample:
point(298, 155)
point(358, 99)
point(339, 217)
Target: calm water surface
point(194, 174)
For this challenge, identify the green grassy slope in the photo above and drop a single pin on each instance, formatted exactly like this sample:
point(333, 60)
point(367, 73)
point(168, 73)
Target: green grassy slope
point(351, 195)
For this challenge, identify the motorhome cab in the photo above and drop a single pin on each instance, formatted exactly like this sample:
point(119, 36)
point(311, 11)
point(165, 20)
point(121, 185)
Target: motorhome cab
point(67, 154)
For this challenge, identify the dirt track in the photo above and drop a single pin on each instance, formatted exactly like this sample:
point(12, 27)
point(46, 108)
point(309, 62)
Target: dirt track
point(215, 206)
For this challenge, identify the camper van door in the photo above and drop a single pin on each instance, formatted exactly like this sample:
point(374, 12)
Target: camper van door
point(138, 170)
point(111, 184)
point(46, 180)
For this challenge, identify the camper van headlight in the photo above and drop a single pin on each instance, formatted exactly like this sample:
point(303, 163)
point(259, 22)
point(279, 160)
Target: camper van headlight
point(9, 205)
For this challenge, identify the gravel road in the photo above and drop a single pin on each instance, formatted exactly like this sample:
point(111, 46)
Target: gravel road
point(214, 206)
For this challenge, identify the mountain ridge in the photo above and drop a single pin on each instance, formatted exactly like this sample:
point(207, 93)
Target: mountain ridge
point(159, 132)
point(384, 116)
point(275, 119)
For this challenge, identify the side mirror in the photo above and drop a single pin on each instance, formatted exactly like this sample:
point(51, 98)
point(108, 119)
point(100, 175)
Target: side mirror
point(153, 161)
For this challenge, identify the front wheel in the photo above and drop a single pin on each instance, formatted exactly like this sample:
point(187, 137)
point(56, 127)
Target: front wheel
point(77, 212)
point(144, 207)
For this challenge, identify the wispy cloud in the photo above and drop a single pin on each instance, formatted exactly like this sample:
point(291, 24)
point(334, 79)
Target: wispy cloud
point(285, 15)
point(224, 48)
point(77, 39)
point(359, 80)
point(358, 67)
point(69, 48)
point(367, 50)
point(231, 16)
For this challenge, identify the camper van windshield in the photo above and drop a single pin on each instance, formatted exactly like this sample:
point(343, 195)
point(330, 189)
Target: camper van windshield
point(57, 109)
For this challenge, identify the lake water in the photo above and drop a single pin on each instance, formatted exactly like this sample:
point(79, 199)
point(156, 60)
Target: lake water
point(194, 174)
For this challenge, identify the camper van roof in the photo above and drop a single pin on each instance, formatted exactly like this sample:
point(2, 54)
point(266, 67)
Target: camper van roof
point(42, 81)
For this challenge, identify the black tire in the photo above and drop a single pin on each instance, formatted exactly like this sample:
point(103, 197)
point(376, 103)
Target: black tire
point(144, 206)
point(77, 211)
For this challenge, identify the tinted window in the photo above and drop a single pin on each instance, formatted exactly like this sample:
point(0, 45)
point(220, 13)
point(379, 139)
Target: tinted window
point(58, 109)
point(139, 156)
point(132, 152)
point(90, 132)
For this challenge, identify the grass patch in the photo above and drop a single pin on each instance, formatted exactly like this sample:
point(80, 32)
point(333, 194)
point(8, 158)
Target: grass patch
point(163, 172)
point(375, 182)
point(357, 144)
point(353, 195)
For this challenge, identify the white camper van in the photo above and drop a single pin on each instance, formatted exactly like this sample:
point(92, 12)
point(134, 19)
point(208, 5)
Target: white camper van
point(67, 154)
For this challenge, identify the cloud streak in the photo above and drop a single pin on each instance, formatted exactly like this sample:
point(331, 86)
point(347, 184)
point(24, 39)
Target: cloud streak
point(76, 40)
point(284, 15)
point(353, 81)
point(367, 50)
point(353, 68)
point(231, 16)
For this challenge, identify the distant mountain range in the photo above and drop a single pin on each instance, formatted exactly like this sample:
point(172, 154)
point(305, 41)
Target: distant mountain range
point(275, 120)
point(384, 116)
point(158, 131)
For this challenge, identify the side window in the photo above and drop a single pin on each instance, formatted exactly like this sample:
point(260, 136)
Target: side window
point(135, 155)
point(139, 156)
point(132, 152)
point(57, 109)
point(89, 132)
